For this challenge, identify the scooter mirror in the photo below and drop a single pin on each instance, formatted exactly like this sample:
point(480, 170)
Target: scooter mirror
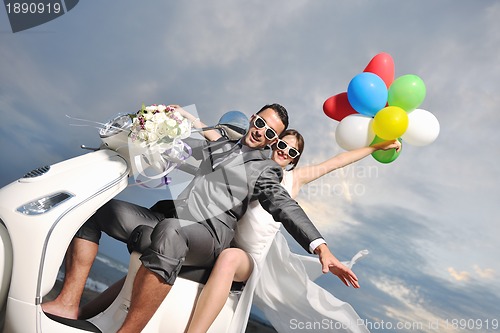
point(115, 125)
point(232, 125)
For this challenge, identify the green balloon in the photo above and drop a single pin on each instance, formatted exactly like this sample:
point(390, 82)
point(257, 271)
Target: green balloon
point(407, 92)
point(385, 156)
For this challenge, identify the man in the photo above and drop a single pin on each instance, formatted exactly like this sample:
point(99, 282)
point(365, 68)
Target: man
point(194, 229)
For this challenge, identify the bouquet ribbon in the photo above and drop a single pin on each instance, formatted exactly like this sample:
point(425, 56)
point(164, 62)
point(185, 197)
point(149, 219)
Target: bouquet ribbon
point(155, 161)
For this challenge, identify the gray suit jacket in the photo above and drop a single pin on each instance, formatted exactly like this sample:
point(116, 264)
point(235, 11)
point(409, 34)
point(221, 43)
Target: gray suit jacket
point(218, 196)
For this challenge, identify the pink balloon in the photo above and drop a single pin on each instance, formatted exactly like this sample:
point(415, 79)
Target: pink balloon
point(382, 65)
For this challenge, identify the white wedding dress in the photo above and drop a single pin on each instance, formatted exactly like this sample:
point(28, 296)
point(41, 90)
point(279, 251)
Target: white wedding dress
point(281, 281)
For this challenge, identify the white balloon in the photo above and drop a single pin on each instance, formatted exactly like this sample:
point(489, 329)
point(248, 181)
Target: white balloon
point(354, 131)
point(423, 128)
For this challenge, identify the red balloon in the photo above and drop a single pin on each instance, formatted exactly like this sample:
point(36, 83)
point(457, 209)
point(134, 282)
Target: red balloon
point(338, 107)
point(383, 66)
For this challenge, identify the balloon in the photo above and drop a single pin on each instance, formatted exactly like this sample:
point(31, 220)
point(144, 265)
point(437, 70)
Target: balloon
point(337, 107)
point(367, 93)
point(407, 92)
point(385, 156)
point(390, 122)
point(423, 128)
point(354, 131)
point(383, 66)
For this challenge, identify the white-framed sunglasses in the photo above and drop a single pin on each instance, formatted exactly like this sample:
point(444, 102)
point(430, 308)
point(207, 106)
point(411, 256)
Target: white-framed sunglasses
point(260, 123)
point(283, 146)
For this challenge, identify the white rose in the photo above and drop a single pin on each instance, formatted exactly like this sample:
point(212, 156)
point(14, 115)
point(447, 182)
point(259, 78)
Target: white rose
point(170, 122)
point(153, 138)
point(159, 117)
point(185, 129)
point(172, 132)
point(162, 129)
point(143, 135)
point(161, 107)
point(150, 126)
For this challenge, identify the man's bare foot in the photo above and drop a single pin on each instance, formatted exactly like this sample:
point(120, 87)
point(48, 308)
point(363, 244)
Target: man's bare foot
point(59, 309)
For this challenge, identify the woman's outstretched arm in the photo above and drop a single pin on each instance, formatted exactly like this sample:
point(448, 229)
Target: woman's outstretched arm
point(304, 175)
point(211, 135)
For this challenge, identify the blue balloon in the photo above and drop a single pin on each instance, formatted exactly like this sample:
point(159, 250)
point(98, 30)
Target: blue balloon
point(367, 93)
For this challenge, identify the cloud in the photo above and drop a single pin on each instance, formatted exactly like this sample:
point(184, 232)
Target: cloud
point(414, 315)
point(400, 280)
point(486, 273)
point(202, 44)
point(459, 276)
point(478, 273)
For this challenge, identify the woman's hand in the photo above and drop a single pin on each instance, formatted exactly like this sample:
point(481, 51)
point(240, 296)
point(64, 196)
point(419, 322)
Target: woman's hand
point(386, 145)
point(182, 112)
point(332, 264)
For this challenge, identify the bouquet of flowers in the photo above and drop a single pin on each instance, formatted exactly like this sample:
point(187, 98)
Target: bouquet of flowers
point(157, 148)
point(151, 140)
point(156, 124)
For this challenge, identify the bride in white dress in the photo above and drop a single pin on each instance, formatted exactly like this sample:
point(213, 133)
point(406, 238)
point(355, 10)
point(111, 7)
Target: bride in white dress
point(280, 282)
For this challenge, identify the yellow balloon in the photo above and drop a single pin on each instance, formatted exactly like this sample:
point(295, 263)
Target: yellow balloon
point(390, 122)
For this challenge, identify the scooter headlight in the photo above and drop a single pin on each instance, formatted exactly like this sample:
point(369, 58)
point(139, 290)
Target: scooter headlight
point(44, 204)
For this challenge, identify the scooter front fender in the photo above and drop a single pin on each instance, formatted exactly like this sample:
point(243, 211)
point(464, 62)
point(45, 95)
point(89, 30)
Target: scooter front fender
point(40, 233)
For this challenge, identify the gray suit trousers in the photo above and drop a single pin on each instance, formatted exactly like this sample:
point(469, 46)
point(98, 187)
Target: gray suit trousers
point(186, 242)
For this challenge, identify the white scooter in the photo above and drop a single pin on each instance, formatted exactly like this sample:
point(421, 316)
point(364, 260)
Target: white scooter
point(41, 212)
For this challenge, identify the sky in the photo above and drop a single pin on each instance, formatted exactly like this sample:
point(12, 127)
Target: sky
point(429, 219)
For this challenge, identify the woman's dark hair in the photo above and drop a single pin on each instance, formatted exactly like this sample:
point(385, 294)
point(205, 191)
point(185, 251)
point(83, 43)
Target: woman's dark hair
point(300, 144)
point(280, 110)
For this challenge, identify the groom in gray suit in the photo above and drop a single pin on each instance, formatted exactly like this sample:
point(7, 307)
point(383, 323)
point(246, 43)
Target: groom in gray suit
point(195, 228)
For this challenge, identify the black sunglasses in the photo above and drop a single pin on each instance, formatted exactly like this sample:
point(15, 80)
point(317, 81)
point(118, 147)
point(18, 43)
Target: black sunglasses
point(282, 145)
point(260, 123)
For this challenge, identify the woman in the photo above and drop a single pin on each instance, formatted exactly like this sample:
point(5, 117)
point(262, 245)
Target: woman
point(263, 257)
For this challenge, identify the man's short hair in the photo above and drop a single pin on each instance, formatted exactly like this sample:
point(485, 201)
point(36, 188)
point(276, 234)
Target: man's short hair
point(280, 110)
